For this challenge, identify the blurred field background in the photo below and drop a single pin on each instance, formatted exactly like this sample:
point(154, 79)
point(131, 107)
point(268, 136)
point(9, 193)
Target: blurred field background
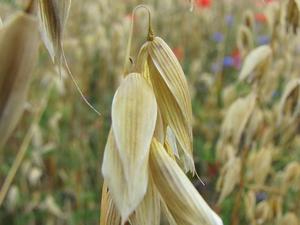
point(59, 181)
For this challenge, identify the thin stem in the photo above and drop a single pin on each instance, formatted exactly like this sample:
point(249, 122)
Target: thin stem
point(24, 147)
point(77, 86)
point(150, 35)
point(235, 217)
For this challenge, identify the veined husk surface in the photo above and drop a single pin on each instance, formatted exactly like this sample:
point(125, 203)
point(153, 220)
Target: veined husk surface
point(158, 64)
point(151, 113)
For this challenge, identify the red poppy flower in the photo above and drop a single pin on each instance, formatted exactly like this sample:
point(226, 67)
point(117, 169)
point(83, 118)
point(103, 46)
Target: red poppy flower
point(204, 3)
point(236, 55)
point(179, 53)
point(260, 17)
point(213, 168)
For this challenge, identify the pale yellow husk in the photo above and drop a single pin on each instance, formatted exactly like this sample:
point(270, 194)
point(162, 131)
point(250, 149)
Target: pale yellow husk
point(126, 195)
point(229, 177)
point(160, 67)
point(293, 14)
point(236, 120)
point(256, 61)
point(184, 202)
point(170, 70)
point(172, 114)
point(159, 132)
point(148, 212)
point(125, 163)
point(259, 165)
point(134, 113)
point(52, 17)
point(19, 42)
point(289, 106)
point(249, 20)
point(289, 218)
point(109, 213)
point(244, 39)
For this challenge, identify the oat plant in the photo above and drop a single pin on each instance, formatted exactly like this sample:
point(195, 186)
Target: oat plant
point(143, 170)
point(19, 42)
point(53, 15)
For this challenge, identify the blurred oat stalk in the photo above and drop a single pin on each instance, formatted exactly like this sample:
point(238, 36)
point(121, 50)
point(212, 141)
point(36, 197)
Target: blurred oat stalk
point(141, 165)
point(19, 42)
point(259, 129)
point(25, 143)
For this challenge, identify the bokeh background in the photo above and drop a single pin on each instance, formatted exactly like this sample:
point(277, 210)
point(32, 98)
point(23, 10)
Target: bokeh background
point(59, 181)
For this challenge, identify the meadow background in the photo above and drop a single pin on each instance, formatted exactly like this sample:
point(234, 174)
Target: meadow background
point(59, 181)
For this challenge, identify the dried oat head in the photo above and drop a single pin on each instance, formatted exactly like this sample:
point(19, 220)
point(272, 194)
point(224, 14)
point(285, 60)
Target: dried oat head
point(256, 63)
point(248, 19)
point(289, 218)
point(229, 178)
point(289, 106)
point(263, 212)
point(236, 119)
point(244, 40)
point(109, 212)
point(52, 18)
point(259, 165)
point(182, 200)
point(125, 163)
point(292, 15)
point(53, 15)
point(158, 64)
point(151, 134)
point(273, 15)
point(19, 42)
point(250, 202)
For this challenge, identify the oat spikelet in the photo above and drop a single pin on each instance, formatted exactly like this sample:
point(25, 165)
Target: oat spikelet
point(53, 15)
point(153, 105)
point(158, 64)
point(293, 15)
point(125, 163)
point(183, 201)
point(109, 213)
point(244, 40)
point(19, 42)
point(256, 63)
point(229, 178)
point(148, 212)
point(248, 19)
point(289, 219)
point(289, 106)
point(236, 119)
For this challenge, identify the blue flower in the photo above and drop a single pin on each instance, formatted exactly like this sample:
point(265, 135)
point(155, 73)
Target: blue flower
point(229, 20)
point(263, 40)
point(218, 37)
point(228, 61)
point(261, 196)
